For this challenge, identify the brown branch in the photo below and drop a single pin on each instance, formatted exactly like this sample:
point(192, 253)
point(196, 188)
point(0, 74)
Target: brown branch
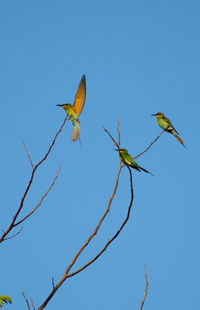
point(147, 283)
point(119, 138)
point(65, 276)
point(32, 304)
point(40, 202)
point(52, 281)
point(17, 233)
point(117, 144)
point(98, 226)
point(29, 184)
point(52, 144)
point(150, 145)
point(28, 155)
point(116, 234)
point(26, 300)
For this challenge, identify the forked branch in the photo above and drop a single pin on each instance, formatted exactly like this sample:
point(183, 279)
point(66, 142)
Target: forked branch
point(34, 168)
point(66, 274)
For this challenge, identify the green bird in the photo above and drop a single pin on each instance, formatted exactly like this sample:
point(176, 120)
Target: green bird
point(73, 111)
point(166, 125)
point(129, 160)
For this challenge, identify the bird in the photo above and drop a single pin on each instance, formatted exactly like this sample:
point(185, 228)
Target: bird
point(129, 161)
point(73, 111)
point(166, 125)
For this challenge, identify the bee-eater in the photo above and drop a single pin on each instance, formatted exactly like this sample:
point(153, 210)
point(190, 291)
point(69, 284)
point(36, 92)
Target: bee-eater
point(166, 125)
point(129, 160)
point(73, 111)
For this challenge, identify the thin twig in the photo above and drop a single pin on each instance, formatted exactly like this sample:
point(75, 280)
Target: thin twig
point(116, 234)
point(65, 276)
point(29, 184)
point(147, 283)
point(53, 284)
point(40, 202)
point(28, 155)
point(117, 144)
point(150, 145)
point(98, 226)
point(52, 144)
point(26, 300)
point(17, 233)
point(32, 304)
point(119, 138)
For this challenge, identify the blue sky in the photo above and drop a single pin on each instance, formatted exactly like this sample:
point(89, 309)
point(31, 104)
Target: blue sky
point(139, 57)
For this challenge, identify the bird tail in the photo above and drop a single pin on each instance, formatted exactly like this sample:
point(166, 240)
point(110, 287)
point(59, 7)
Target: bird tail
point(76, 130)
point(135, 167)
point(178, 138)
point(145, 170)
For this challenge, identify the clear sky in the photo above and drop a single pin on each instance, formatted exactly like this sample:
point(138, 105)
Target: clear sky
point(139, 57)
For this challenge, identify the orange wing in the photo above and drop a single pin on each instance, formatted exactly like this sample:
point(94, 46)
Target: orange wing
point(80, 97)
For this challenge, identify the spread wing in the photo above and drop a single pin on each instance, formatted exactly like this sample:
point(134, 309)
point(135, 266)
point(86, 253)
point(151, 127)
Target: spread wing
point(80, 97)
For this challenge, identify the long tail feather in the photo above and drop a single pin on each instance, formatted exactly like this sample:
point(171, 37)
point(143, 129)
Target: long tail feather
point(179, 139)
point(134, 167)
point(146, 171)
point(76, 130)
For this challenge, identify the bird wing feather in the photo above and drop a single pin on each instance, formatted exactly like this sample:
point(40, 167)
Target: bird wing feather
point(80, 97)
point(170, 124)
point(129, 159)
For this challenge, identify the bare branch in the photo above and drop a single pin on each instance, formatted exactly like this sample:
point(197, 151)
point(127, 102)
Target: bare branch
point(53, 284)
point(32, 304)
point(17, 233)
point(28, 155)
point(116, 234)
point(52, 144)
point(118, 123)
point(2, 238)
point(41, 200)
point(26, 300)
point(117, 144)
point(147, 283)
point(150, 145)
point(98, 226)
point(65, 276)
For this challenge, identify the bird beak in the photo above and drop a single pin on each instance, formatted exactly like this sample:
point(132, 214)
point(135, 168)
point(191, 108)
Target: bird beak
point(59, 105)
point(153, 114)
point(117, 150)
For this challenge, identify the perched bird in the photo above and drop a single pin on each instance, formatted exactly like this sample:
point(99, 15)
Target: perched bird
point(166, 125)
point(73, 111)
point(129, 160)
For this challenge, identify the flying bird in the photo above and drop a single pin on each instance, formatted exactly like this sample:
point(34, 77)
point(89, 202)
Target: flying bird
point(129, 160)
point(166, 125)
point(73, 111)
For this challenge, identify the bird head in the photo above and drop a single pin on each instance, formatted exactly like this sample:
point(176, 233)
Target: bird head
point(121, 150)
point(65, 106)
point(159, 114)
